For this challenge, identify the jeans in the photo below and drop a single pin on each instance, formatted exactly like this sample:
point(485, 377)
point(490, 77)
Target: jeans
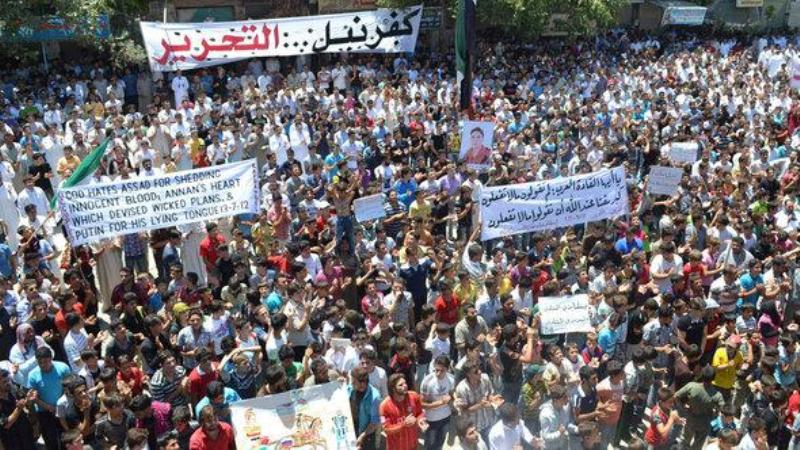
point(137, 263)
point(436, 434)
point(51, 430)
point(344, 228)
point(511, 391)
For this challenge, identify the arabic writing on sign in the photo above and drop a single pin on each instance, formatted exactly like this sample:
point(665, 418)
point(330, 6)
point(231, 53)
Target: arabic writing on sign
point(545, 190)
point(551, 204)
point(568, 314)
point(664, 180)
point(181, 46)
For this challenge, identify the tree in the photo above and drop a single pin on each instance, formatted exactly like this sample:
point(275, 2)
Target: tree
point(83, 16)
point(529, 18)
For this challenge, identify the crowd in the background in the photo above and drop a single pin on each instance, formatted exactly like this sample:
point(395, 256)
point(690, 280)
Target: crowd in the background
point(144, 341)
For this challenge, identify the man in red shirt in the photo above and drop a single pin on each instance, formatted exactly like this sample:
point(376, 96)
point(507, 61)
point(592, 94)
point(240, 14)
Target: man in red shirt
point(208, 247)
point(202, 375)
point(212, 434)
point(446, 305)
point(401, 415)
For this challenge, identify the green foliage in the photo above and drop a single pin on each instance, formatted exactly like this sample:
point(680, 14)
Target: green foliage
point(529, 18)
point(123, 15)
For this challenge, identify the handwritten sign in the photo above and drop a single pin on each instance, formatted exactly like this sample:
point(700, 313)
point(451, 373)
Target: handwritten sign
point(369, 208)
point(683, 152)
point(313, 417)
point(105, 210)
point(780, 165)
point(543, 205)
point(664, 180)
point(564, 314)
point(172, 46)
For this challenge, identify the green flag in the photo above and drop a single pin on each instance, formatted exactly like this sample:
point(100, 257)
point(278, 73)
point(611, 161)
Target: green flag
point(85, 169)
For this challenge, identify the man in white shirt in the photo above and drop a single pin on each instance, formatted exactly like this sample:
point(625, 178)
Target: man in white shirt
point(509, 432)
point(180, 87)
point(32, 195)
point(436, 391)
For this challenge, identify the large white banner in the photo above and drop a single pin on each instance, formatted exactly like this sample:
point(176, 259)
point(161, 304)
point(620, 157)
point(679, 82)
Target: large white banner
point(543, 205)
point(104, 210)
point(311, 418)
point(568, 314)
point(172, 46)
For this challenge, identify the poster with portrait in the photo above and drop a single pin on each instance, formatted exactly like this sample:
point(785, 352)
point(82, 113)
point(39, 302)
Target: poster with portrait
point(476, 145)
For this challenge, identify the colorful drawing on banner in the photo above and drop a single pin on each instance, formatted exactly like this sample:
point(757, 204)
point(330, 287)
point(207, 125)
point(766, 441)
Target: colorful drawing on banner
point(683, 152)
point(369, 208)
point(476, 145)
point(312, 418)
point(545, 205)
point(172, 46)
point(664, 180)
point(559, 315)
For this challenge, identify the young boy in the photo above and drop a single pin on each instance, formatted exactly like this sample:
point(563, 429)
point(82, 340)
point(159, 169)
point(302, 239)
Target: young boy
point(662, 420)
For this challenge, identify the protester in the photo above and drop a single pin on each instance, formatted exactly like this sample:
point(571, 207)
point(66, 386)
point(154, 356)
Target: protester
point(437, 335)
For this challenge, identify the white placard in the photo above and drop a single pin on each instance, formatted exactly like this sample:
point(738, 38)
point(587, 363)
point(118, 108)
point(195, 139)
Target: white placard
point(568, 314)
point(369, 208)
point(543, 205)
point(664, 180)
point(781, 165)
point(172, 46)
point(315, 417)
point(476, 145)
point(683, 152)
point(104, 210)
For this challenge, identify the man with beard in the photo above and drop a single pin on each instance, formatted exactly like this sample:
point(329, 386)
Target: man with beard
point(212, 434)
point(402, 415)
point(472, 326)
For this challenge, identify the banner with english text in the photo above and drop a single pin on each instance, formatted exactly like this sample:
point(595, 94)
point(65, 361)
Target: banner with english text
point(544, 205)
point(172, 46)
point(93, 212)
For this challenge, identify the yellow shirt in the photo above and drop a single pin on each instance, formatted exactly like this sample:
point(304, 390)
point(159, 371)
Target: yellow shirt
point(725, 378)
point(419, 209)
point(468, 294)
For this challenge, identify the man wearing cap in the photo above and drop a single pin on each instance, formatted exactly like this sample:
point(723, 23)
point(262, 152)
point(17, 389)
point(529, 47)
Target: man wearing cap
point(726, 362)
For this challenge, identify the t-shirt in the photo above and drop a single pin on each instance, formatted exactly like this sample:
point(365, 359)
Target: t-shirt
point(725, 378)
point(694, 329)
point(394, 414)
point(224, 440)
point(48, 384)
point(432, 390)
point(112, 433)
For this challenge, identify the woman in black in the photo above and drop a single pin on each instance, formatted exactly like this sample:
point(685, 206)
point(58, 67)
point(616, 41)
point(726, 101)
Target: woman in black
point(15, 428)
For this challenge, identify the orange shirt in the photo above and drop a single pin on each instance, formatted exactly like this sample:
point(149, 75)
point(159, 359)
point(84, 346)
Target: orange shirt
point(393, 414)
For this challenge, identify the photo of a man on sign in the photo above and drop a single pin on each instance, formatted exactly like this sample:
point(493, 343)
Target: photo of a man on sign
point(476, 145)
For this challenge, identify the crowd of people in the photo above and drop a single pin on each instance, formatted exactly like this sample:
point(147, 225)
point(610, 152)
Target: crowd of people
point(146, 340)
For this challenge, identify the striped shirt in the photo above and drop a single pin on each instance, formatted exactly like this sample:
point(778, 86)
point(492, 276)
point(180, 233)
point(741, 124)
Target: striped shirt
point(161, 387)
point(466, 396)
